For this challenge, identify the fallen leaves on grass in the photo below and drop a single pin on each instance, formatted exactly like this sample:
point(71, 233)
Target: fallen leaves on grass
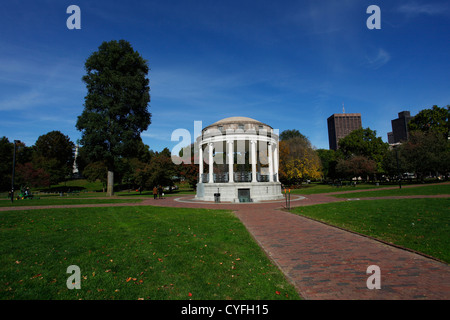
point(135, 280)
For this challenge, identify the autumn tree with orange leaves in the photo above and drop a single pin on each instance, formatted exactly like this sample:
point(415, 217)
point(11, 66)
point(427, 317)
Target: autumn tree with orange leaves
point(298, 159)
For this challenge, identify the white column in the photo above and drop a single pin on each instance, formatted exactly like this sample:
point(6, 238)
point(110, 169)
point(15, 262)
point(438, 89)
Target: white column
point(230, 151)
point(211, 168)
point(254, 160)
point(270, 162)
point(276, 161)
point(200, 162)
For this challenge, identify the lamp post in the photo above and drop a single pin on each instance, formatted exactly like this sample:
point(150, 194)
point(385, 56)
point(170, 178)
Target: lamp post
point(13, 171)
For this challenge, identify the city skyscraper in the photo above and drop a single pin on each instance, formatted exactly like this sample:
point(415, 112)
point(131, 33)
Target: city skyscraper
point(340, 125)
point(399, 128)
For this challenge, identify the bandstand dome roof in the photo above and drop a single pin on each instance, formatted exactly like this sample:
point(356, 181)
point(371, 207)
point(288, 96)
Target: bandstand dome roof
point(236, 120)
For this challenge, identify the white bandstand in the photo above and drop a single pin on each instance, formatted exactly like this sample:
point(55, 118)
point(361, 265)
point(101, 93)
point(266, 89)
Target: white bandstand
point(241, 156)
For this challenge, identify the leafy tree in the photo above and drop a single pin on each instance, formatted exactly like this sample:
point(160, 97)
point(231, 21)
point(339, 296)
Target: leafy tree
point(426, 153)
point(356, 166)
point(23, 155)
point(144, 153)
point(55, 145)
point(28, 176)
point(298, 160)
point(141, 176)
point(394, 162)
point(162, 169)
point(290, 134)
point(189, 171)
point(96, 171)
point(159, 172)
point(427, 150)
point(53, 152)
point(133, 167)
point(364, 142)
point(135, 173)
point(432, 120)
point(6, 160)
point(329, 160)
point(298, 169)
point(116, 105)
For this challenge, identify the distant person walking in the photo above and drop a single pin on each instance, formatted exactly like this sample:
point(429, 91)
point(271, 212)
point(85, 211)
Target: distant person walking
point(155, 193)
point(160, 192)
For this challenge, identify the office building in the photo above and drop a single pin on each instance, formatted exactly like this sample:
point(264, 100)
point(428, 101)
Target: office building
point(340, 125)
point(390, 137)
point(400, 128)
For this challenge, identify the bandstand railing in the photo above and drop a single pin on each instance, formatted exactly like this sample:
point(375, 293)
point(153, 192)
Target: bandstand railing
point(262, 177)
point(221, 177)
point(238, 177)
point(243, 177)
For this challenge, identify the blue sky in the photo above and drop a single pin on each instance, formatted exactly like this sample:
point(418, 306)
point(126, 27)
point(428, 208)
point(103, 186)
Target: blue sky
point(290, 64)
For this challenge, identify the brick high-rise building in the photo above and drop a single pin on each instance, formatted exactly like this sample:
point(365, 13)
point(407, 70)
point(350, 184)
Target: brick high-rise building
point(340, 125)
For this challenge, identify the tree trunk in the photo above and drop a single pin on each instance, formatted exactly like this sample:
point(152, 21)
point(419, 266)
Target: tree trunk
point(110, 184)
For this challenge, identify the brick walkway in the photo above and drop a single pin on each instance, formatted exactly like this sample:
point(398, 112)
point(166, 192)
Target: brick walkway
point(328, 263)
point(325, 262)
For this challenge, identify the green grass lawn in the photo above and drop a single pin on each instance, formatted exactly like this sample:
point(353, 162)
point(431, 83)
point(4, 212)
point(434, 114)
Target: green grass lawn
point(419, 224)
point(46, 201)
point(86, 187)
point(408, 191)
point(315, 188)
point(149, 193)
point(134, 252)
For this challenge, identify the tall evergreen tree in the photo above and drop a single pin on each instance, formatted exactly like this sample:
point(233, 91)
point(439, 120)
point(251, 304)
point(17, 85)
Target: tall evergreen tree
point(116, 106)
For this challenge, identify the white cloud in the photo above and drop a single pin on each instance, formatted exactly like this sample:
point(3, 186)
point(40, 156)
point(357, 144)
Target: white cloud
point(20, 102)
point(156, 134)
point(382, 57)
point(37, 82)
point(414, 9)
